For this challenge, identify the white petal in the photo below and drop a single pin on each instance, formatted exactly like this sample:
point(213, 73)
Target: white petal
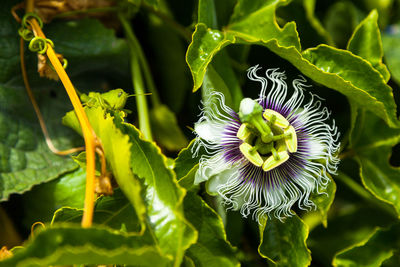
point(209, 167)
point(222, 178)
point(209, 131)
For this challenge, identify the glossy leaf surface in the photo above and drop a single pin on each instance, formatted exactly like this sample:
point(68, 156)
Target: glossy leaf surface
point(284, 243)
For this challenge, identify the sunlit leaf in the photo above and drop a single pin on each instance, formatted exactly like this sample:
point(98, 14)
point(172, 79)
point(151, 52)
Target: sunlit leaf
point(67, 245)
point(117, 151)
point(163, 195)
point(284, 243)
point(366, 43)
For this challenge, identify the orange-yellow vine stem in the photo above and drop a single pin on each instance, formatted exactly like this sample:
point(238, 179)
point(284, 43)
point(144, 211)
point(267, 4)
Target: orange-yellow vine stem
point(88, 134)
point(37, 110)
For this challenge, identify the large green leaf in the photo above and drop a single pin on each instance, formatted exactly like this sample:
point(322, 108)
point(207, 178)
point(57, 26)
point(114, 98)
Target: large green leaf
point(112, 211)
point(338, 69)
point(68, 190)
point(89, 46)
point(366, 43)
point(372, 151)
point(65, 244)
point(128, 154)
point(187, 159)
point(24, 156)
point(211, 248)
point(355, 78)
point(379, 177)
point(163, 196)
point(117, 151)
point(377, 248)
point(350, 223)
point(284, 243)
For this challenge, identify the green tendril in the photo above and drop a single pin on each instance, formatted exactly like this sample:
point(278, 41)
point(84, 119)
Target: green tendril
point(29, 15)
point(26, 34)
point(65, 63)
point(39, 44)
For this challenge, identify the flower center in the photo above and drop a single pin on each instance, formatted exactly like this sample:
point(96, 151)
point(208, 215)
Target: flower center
point(267, 136)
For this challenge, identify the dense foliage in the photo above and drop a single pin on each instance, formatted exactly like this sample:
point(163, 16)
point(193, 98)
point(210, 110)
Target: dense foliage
point(180, 51)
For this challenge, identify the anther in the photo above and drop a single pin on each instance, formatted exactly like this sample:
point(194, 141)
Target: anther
point(271, 163)
point(252, 156)
point(275, 118)
point(244, 133)
point(291, 139)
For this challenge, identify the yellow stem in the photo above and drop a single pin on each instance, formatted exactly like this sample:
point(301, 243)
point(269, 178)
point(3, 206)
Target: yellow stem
point(37, 110)
point(88, 133)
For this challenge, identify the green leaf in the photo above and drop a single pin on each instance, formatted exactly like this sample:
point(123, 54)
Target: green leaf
point(112, 211)
point(380, 246)
point(166, 130)
point(372, 152)
point(24, 156)
point(68, 190)
point(186, 165)
point(379, 177)
point(212, 247)
point(324, 200)
point(205, 44)
point(351, 222)
point(68, 245)
point(89, 46)
point(334, 68)
point(261, 16)
point(117, 151)
point(163, 196)
point(391, 47)
point(366, 43)
point(284, 243)
point(127, 152)
point(355, 78)
point(187, 159)
point(225, 72)
point(214, 83)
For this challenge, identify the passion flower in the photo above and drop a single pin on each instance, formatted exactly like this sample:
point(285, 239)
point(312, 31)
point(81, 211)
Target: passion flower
point(274, 152)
